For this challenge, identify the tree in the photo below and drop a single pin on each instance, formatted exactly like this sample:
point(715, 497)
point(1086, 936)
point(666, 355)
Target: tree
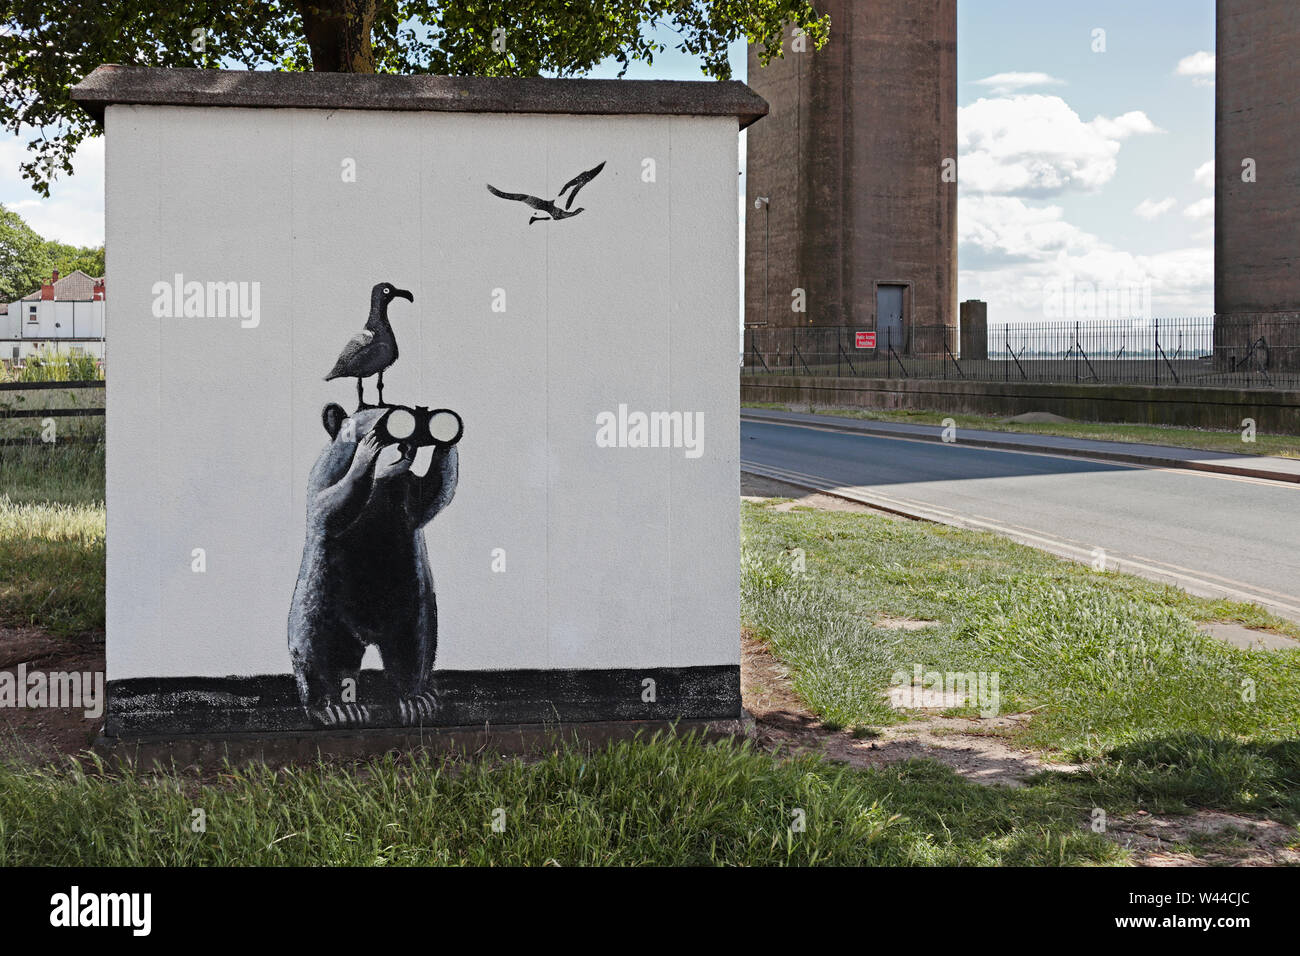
point(67, 259)
point(24, 260)
point(47, 47)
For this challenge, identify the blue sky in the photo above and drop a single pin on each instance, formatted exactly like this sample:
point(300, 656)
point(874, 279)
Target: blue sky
point(1073, 163)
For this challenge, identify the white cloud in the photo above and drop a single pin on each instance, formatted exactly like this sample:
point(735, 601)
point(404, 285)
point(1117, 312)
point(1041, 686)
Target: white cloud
point(1122, 127)
point(1036, 145)
point(1007, 228)
point(1204, 175)
point(1199, 66)
point(1013, 252)
point(1151, 209)
point(1201, 209)
point(74, 213)
point(1002, 83)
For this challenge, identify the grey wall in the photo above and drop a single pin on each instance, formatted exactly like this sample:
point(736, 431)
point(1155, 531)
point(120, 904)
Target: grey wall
point(1257, 224)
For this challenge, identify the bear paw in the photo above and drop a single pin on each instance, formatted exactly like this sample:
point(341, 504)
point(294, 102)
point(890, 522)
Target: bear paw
point(341, 715)
point(417, 709)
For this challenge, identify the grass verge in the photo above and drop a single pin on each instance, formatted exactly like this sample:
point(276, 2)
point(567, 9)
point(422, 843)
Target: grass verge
point(649, 802)
point(52, 537)
point(1101, 660)
point(658, 801)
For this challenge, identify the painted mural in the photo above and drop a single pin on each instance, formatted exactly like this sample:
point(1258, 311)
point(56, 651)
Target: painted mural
point(548, 210)
point(332, 572)
point(365, 579)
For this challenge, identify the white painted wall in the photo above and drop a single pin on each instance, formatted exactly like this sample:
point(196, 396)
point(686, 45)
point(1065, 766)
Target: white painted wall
point(48, 319)
point(615, 557)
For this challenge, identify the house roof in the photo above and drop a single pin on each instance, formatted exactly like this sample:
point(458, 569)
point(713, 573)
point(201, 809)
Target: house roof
point(76, 286)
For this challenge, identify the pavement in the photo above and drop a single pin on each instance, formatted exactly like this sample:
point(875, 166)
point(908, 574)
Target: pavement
point(1156, 512)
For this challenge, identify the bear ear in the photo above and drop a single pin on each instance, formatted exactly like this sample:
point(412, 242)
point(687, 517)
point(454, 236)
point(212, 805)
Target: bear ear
point(332, 417)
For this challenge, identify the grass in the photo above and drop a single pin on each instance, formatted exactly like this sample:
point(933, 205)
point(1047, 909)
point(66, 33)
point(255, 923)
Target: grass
point(52, 528)
point(1102, 660)
point(52, 520)
point(649, 802)
point(59, 367)
point(52, 566)
point(1281, 446)
point(654, 801)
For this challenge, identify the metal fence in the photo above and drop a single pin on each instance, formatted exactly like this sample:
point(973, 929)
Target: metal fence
point(1257, 353)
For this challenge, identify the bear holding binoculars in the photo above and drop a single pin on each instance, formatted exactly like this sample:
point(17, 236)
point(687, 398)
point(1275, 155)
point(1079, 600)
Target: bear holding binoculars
point(365, 577)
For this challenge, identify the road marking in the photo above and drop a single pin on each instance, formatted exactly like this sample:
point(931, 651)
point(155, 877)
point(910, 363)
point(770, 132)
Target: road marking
point(1194, 582)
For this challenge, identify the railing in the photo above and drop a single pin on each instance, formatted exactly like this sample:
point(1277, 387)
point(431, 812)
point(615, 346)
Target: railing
point(1257, 353)
point(22, 423)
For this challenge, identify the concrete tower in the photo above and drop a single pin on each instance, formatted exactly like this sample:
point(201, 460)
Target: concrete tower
point(1257, 223)
point(851, 162)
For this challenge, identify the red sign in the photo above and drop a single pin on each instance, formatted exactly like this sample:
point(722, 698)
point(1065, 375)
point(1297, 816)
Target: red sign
point(865, 340)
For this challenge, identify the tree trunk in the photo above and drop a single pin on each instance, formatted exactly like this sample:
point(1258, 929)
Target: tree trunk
point(338, 33)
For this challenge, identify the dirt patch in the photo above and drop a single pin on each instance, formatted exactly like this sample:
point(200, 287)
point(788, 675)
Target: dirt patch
point(974, 747)
point(42, 734)
point(1248, 638)
point(757, 489)
point(1207, 837)
point(902, 623)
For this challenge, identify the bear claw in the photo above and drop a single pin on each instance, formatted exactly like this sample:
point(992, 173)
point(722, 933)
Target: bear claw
point(342, 715)
point(417, 709)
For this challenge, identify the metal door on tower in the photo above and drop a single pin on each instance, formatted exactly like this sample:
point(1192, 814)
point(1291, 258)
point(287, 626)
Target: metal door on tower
point(889, 316)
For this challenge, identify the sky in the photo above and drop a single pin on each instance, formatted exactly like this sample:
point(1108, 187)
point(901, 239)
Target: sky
point(1078, 168)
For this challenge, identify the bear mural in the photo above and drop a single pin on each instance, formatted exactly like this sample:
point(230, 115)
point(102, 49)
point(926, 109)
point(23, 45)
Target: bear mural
point(365, 579)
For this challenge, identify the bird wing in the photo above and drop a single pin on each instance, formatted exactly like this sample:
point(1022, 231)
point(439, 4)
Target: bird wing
point(355, 347)
point(577, 182)
point(533, 201)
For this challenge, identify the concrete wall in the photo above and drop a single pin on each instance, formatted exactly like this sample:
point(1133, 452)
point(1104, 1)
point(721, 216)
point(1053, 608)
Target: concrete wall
point(615, 557)
point(850, 156)
point(1257, 224)
point(1276, 412)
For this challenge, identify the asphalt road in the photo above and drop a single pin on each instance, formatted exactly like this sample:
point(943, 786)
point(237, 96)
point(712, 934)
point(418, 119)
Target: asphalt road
point(1211, 534)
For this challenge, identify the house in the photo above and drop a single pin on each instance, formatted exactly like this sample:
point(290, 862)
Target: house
point(66, 315)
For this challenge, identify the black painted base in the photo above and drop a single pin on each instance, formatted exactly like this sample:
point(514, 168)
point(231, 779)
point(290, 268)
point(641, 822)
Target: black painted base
point(149, 707)
point(212, 750)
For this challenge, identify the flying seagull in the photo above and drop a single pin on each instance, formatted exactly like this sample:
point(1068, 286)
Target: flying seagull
point(374, 348)
point(552, 209)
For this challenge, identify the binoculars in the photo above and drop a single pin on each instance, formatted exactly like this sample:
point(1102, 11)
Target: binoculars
point(417, 427)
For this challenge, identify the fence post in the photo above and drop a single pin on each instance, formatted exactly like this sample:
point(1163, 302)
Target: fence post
point(792, 347)
point(1076, 353)
point(1156, 357)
